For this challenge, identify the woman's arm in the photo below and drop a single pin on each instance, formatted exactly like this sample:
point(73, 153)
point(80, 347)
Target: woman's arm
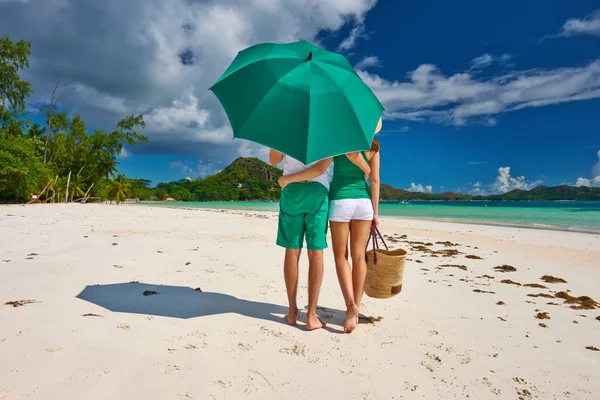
point(309, 173)
point(375, 185)
point(275, 157)
point(358, 160)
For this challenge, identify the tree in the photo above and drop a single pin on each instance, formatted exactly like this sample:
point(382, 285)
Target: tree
point(161, 194)
point(21, 169)
point(31, 153)
point(76, 187)
point(119, 190)
point(14, 57)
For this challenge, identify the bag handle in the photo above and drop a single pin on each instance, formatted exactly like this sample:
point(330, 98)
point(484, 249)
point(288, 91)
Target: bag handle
point(373, 234)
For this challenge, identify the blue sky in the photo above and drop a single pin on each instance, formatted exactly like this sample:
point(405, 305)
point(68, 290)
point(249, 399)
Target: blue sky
point(481, 97)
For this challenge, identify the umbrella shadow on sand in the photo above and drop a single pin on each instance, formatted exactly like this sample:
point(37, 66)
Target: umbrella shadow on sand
point(175, 302)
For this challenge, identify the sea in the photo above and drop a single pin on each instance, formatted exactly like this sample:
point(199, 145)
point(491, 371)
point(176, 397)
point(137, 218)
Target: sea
point(581, 216)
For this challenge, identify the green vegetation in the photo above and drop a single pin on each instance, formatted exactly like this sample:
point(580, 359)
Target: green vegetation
point(563, 192)
point(245, 179)
point(60, 160)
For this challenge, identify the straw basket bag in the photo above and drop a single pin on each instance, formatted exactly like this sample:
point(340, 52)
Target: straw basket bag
point(385, 269)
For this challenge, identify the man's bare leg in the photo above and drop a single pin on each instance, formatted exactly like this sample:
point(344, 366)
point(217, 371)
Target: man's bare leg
point(315, 278)
point(290, 274)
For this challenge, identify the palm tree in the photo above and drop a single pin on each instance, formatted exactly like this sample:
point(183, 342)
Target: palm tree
point(76, 187)
point(119, 188)
point(57, 187)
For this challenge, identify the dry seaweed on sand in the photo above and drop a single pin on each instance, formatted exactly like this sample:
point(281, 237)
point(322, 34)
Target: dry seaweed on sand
point(447, 253)
point(422, 248)
point(535, 285)
point(505, 268)
point(485, 276)
point(509, 282)
point(500, 303)
point(542, 315)
point(447, 244)
point(552, 279)
point(149, 293)
point(544, 295)
point(598, 318)
point(362, 319)
point(198, 290)
point(473, 257)
point(579, 303)
point(463, 267)
point(543, 325)
point(592, 348)
point(92, 315)
point(482, 291)
point(20, 303)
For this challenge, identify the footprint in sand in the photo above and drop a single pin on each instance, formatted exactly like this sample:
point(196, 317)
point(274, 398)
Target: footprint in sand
point(298, 349)
point(244, 347)
point(54, 349)
point(124, 326)
point(431, 362)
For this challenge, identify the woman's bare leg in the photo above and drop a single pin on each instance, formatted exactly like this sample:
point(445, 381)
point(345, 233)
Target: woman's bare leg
point(339, 238)
point(359, 235)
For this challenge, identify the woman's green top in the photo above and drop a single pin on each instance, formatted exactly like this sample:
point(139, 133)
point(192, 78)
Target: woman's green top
point(348, 180)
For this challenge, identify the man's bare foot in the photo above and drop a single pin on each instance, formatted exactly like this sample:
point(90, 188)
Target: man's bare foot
point(351, 319)
point(313, 322)
point(292, 316)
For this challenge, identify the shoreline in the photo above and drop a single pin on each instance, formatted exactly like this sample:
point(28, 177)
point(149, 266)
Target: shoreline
point(575, 229)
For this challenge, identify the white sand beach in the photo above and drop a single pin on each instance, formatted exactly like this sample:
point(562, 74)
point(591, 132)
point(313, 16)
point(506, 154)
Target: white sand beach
point(453, 332)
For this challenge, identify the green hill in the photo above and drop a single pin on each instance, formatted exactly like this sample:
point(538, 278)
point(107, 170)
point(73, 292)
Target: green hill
point(244, 179)
point(562, 192)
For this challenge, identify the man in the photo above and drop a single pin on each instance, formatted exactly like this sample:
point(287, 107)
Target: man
point(303, 211)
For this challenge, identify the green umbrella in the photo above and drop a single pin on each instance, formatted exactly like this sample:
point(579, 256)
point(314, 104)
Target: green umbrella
point(299, 99)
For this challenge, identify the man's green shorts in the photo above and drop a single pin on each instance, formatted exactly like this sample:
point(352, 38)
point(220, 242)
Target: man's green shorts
point(303, 210)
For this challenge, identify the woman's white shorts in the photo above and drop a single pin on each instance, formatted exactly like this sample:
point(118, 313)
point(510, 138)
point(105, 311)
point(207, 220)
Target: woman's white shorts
point(350, 210)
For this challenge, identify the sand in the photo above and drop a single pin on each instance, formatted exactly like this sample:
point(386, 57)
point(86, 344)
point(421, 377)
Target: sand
point(122, 302)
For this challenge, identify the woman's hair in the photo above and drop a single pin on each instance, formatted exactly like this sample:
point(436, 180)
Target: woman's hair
point(375, 146)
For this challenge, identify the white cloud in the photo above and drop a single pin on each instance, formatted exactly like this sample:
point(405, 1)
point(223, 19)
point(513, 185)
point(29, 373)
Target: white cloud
point(596, 168)
point(505, 182)
point(124, 154)
point(595, 180)
point(484, 60)
point(368, 62)
point(420, 188)
point(356, 33)
point(195, 170)
point(102, 101)
point(589, 25)
point(428, 94)
point(583, 182)
point(159, 58)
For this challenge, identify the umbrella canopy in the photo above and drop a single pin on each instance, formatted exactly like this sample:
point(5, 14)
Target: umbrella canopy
point(299, 99)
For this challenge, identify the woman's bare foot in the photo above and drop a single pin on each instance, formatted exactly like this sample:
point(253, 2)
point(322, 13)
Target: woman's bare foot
point(313, 322)
point(292, 316)
point(351, 319)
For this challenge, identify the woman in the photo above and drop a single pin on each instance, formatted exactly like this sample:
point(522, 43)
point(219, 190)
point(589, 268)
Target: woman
point(353, 210)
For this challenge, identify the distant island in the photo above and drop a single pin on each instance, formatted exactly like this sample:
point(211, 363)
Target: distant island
point(250, 179)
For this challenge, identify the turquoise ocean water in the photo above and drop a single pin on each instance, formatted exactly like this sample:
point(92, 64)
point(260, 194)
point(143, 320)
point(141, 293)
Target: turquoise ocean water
point(563, 215)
